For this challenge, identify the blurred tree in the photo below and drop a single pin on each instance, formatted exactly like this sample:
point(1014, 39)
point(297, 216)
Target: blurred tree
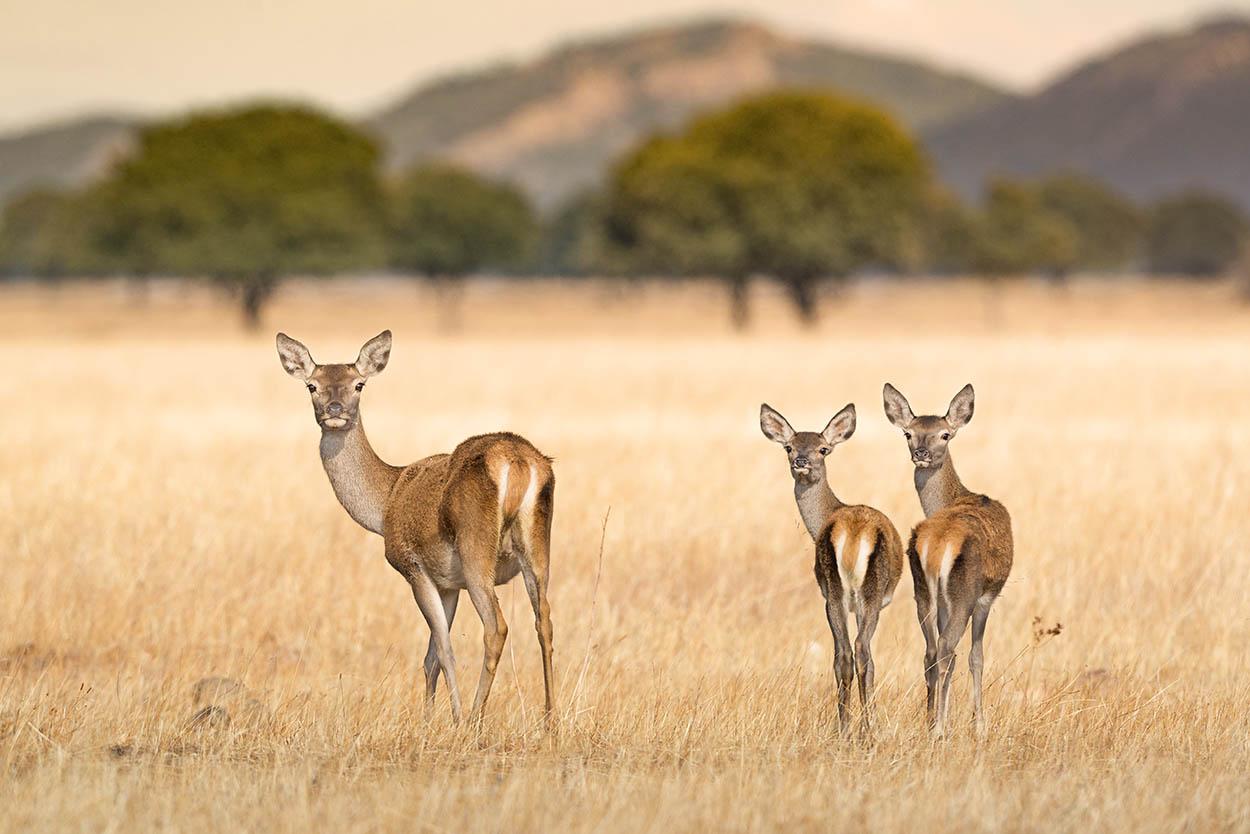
point(568, 240)
point(949, 235)
point(1017, 234)
point(795, 185)
point(1108, 227)
point(46, 233)
point(447, 222)
point(245, 197)
point(1194, 233)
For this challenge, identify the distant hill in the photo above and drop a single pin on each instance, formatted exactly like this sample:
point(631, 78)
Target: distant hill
point(554, 125)
point(1167, 112)
point(60, 155)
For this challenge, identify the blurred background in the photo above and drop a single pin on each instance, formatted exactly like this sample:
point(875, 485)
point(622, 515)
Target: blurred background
point(786, 148)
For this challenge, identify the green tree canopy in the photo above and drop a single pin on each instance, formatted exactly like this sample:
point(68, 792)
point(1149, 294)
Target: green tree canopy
point(447, 222)
point(949, 234)
point(796, 185)
point(46, 233)
point(569, 238)
point(1194, 234)
point(245, 197)
point(1017, 234)
point(1107, 226)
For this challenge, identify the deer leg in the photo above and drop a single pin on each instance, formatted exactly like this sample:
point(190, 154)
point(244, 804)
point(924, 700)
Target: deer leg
point(867, 625)
point(980, 614)
point(928, 626)
point(536, 587)
point(956, 622)
point(535, 569)
point(431, 604)
point(494, 635)
point(843, 658)
point(449, 600)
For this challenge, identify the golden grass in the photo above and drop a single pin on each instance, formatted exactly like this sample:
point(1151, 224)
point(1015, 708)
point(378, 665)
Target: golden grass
point(164, 518)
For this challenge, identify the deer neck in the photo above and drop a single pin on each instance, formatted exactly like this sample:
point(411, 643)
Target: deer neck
point(816, 504)
point(362, 481)
point(939, 488)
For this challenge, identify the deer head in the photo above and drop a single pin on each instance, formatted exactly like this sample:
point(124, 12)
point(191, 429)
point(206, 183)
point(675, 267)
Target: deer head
point(928, 436)
point(806, 450)
point(335, 389)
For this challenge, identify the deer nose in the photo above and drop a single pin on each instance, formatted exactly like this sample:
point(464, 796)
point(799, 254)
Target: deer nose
point(334, 409)
point(920, 454)
point(801, 462)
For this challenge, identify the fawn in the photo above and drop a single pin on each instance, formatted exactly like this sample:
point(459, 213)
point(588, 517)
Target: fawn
point(859, 555)
point(960, 555)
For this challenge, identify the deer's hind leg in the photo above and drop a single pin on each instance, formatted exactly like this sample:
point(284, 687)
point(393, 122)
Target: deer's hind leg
point(535, 559)
point(866, 619)
point(976, 661)
point(926, 614)
point(957, 610)
point(843, 654)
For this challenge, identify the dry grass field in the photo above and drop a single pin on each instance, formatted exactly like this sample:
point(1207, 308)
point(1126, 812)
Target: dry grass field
point(164, 519)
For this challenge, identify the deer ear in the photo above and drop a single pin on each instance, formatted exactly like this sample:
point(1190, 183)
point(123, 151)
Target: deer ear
point(841, 427)
point(295, 358)
point(374, 355)
point(774, 426)
point(960, 411)
point(897, 409)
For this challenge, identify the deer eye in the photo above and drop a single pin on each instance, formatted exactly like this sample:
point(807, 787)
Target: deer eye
point(312, 389)
point(789, 449)
point(946, 435)
point(907, 435)
point(360, 386)
point(824, 450)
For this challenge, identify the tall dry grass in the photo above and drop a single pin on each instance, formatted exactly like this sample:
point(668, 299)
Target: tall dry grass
point(164, 519)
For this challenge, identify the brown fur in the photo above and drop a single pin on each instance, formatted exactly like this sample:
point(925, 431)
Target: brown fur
point(853, 524)
point(829, 522)
point(960, 555)
point(469, 520)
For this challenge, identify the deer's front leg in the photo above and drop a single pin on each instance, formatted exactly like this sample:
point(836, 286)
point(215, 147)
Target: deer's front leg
point(430, 602)
point(449, 600)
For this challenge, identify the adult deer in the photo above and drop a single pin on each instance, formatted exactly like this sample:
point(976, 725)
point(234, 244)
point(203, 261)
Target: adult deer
point(469, 520)
point(960, 555)
point(859, 555)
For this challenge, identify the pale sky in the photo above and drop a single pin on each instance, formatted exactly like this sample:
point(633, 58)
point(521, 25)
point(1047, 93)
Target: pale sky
point(60, 58)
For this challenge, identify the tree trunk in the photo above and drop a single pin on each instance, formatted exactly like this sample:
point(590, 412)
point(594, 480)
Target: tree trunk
point(255, 294)
point(139, 290)
point(802, 289)
point(449, 295)
point(739, 301)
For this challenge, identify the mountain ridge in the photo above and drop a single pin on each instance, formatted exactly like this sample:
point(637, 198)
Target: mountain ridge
point(1162, 113)
point(554, 123)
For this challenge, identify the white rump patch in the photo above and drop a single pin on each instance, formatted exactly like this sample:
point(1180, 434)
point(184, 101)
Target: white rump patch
point(525, 513)
point(944, 570)
point(853, 579)
point(931, 581)
point(503, 488)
